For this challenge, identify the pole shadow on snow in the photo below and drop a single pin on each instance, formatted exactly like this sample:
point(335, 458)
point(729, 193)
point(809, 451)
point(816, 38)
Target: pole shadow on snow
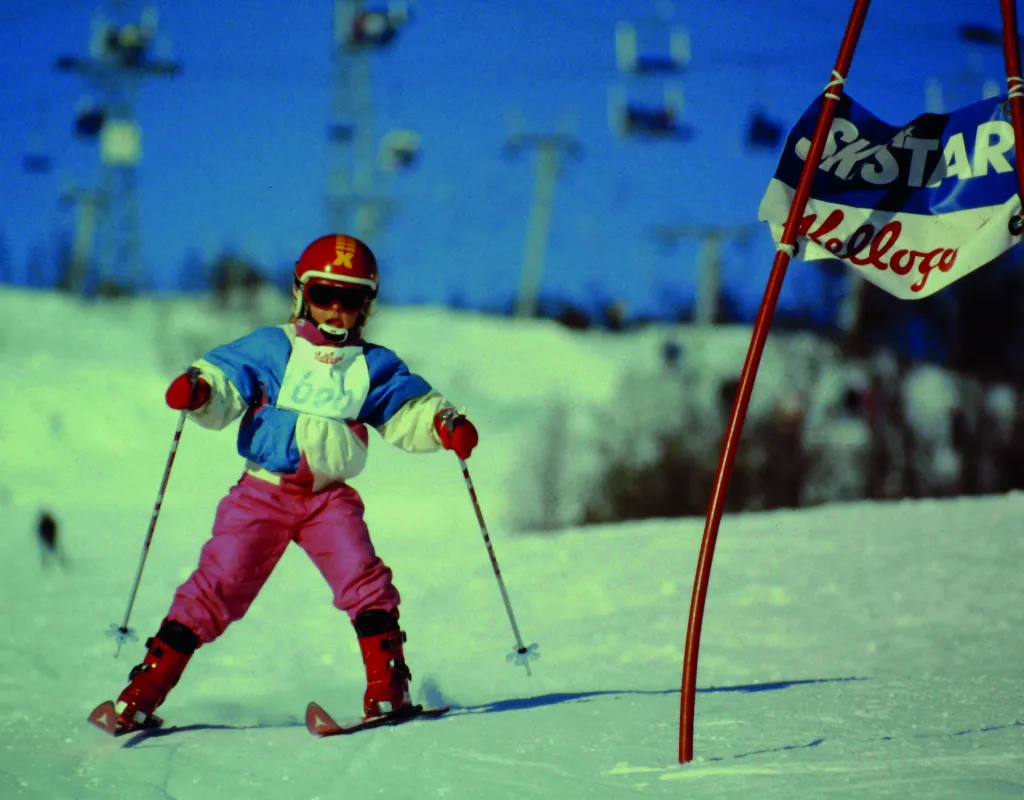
point(539, 701)
point(781, 749)
point(816, 742)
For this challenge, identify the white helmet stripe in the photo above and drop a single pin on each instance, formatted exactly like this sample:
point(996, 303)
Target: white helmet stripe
point(334, 277)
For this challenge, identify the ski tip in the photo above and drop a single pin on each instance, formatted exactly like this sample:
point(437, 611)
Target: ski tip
point(319, 722)
point(104, 717)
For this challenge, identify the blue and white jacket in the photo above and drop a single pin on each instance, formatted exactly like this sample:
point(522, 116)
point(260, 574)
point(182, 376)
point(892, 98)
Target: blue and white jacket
point(307, 402)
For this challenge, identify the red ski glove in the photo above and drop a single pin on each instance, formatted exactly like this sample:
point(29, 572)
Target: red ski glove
point(188, 392)
point(456, 432)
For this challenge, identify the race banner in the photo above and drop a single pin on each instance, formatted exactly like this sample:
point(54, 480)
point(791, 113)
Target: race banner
point(912, 207)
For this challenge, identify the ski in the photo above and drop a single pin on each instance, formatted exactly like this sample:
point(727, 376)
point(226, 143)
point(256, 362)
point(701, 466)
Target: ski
point(104, 717)
point(320, 723)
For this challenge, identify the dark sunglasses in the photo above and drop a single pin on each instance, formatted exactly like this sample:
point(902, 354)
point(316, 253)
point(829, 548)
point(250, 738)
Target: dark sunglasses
point(325, 295)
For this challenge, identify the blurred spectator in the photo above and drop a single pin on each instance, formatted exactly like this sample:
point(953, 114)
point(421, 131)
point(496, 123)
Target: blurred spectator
point(236, 282)
point(49, 544)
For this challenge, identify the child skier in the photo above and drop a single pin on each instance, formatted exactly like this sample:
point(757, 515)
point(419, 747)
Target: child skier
point(307, 391)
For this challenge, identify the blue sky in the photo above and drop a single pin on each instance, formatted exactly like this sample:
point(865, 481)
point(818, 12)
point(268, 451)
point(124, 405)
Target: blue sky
point(235, 153)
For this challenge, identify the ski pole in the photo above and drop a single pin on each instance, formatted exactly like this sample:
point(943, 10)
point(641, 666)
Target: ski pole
point(122, 632)
point(523, 654)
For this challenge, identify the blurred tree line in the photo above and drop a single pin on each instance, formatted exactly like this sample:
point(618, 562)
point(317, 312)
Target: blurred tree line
point(975, 326)
point(228, 275)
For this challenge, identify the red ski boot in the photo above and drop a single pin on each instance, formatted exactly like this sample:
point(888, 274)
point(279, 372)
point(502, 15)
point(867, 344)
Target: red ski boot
point(387, 676)
point(169, 653)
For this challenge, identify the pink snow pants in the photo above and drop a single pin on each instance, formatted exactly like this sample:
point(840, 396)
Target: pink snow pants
point(254, 524)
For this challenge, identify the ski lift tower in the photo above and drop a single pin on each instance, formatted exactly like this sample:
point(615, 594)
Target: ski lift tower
point(119, 58)
point(550, 149)
point(709, 271)
point(356, 200)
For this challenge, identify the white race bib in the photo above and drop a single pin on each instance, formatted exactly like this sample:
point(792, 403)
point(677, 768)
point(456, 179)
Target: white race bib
point(329, 382)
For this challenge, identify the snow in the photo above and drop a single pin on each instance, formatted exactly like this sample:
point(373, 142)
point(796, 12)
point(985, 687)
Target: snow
point(852, 650)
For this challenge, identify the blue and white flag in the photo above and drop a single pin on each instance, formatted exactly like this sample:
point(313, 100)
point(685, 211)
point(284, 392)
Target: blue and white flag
point(912, 207)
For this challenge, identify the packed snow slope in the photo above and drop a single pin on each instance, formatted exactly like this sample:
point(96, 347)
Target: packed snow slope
point(860, 650)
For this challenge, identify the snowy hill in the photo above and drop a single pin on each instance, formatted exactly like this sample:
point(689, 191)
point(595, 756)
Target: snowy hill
point(858, 650)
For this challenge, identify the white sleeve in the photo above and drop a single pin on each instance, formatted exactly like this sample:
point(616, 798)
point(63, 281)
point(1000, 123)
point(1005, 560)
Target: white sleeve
point(225, 404)
point(412, 426)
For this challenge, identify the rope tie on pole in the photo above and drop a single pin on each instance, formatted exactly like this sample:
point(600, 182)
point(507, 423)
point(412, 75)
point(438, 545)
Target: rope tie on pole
point(1016, 86)
point(838, 81)
point(788, 249)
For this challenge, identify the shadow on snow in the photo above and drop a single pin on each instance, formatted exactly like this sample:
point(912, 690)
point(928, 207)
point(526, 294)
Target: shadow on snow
point(155, 733)
point(538, 701)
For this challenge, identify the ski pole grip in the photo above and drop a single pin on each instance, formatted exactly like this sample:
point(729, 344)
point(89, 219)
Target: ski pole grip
point(448, 417)
point(193, 378)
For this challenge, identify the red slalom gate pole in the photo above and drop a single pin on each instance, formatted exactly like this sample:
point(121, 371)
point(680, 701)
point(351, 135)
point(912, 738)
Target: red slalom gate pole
point(785, 251)
point(1015, 86)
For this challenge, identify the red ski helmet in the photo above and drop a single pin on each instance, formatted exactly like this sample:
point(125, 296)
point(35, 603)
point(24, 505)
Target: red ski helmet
point(339, 259)
point(335, 258)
